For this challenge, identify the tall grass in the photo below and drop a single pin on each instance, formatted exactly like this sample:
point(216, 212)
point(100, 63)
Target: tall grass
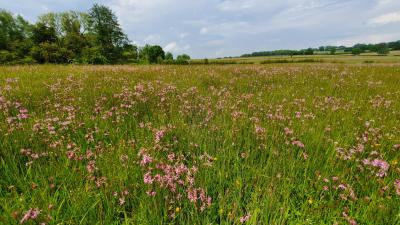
point(255, 144)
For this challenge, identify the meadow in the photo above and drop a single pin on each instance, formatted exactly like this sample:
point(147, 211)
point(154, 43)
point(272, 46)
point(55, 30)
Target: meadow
point(318, 57)
point(294, 143)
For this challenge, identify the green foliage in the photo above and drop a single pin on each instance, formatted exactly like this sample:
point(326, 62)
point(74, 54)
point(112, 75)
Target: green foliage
point(47, 52)
point(169, 56)
point(383, 49)
point(152, 54)
point(68, 37)
point(93, 55)
point(183, 59)
point(43, 33)
point(309, 51)
point(107, 31)
point(7, 57)
point(356, 51)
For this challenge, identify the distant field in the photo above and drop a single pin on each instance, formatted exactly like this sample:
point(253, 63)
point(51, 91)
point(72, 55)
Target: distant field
point(293, 143)
point(393, 57)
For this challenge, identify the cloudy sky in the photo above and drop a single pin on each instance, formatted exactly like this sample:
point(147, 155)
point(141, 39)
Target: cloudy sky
point(215, 28)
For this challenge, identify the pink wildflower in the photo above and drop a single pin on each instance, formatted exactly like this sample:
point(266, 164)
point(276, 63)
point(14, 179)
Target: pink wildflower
point(147, 178)
point(245, 218)
point(382, 165)
point(288, 131)
point(150, 193)
point(71, 154)
point(30, 214)
point(146, 160)
point(298, 144)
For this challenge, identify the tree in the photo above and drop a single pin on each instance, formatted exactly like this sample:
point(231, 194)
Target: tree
point(14, 38)
point(75, 42)
point(152, 54)
point(93, 55)
point(183, 59)
point(47, 52)
point(130, 53)
point(332, 51)
point(13, 30)
point(43, 33)
point(309, 51)
point(107, 32)
point(169, 56)
point(395, 45)
point(382, 49)
point(356, 51)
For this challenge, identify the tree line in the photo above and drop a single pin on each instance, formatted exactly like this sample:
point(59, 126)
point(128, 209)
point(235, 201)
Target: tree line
point(357, 49)
point(93, 37)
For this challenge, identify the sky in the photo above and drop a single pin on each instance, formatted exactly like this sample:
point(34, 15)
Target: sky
point(218, 28)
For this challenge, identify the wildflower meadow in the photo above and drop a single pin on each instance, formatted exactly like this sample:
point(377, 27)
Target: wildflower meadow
point(200, 144)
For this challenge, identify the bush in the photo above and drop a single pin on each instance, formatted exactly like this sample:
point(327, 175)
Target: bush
point(51, 53)
point(7, 57)
point(93, 56)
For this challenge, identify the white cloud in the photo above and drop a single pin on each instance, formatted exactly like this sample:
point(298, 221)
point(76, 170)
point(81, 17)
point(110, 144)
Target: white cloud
point(176, 48)
point(204, 30)
point(152, 39)
point(171, 47)
point(385, 19)
point(369, 38)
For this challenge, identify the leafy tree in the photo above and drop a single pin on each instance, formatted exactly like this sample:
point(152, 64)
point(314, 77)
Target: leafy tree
point(356, 51)
point(152, 54)
point(169, 56)
point(42, 33)
point(12, 30)
point(75, 42)
point(382, 49)
point(14, 33)
point(395, 45)
point(93, 55)
point(183, 59)
point(332, 51)
point(130, 53)
point(107, 32)
point(47, 52)
point(309, 51)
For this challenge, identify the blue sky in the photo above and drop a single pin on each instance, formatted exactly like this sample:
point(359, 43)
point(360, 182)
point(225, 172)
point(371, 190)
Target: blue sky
point(215, 28)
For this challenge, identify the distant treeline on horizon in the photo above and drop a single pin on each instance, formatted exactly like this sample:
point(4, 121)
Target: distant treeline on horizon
point(93, 37)
point(381, 48)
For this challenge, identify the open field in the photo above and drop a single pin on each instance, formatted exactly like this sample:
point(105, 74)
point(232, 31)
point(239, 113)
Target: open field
point(393, 57)
point(256, 144)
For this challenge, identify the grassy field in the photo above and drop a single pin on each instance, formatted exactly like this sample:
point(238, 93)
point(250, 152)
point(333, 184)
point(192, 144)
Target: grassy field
point(393, 57)
point(213, 144)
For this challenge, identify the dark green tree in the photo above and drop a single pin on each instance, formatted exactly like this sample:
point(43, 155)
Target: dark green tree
point(183, 59)
point(382, 49)
point(356, 51)
point(43, 33)
point(152, 54)
point(309, 51)
point(103, 24)
point(169, 56)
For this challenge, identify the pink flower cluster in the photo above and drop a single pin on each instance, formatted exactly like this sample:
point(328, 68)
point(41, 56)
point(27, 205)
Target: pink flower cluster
point(381, 165)
point(31, 214)
point(170, 172)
